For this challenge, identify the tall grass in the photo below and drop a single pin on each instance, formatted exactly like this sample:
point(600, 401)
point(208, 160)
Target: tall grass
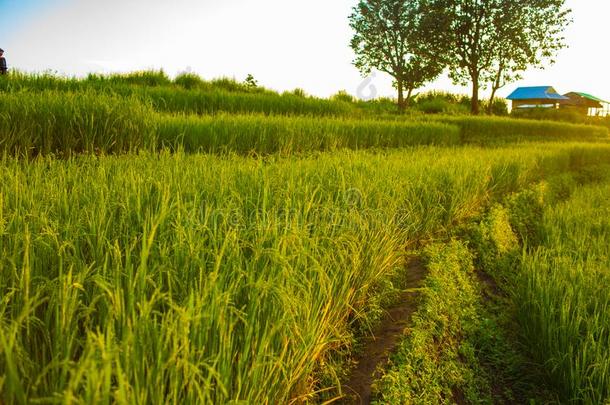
point(564, 303)
point(262, 134)
point(490, 130)
point(67, 123)
point(220, 95)
point(197, 279)
point(64, 123)
point(176, 100)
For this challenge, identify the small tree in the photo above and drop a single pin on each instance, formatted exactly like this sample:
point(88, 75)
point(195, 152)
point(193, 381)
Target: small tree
point(388, 38)
point(251, 82)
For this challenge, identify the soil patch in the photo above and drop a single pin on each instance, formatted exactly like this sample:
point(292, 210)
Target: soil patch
point(385, 339)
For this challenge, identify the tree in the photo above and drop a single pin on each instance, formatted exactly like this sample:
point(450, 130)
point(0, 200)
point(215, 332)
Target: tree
point(491, 41)
point(388, 38)
point(529, 35)
point(251, 82)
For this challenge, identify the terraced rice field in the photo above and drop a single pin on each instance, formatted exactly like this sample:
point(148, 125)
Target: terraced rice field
point(155, 252)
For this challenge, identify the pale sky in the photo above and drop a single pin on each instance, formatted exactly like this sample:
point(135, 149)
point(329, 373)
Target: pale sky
point(284, 43)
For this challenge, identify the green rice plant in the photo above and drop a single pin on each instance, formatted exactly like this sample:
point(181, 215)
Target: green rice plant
point(189, 81)
point(147, 78)
point(564, 305)
point(67, 123)
point(161, 278)
point(426, 368)
point(496, 130)
point(96, 122)
point(214, 101)
point(19, 81)
point(207, 97)
point(271, 134)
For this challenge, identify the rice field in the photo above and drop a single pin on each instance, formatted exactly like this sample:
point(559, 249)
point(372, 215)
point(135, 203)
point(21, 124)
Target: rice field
point(65, 123)
point(201, 242)
point(565, 303)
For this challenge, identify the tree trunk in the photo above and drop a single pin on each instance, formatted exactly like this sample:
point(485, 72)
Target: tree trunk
point(491, 100)
point(495, 86)
point(401, 96)
point(474, 109)
point(409, 93)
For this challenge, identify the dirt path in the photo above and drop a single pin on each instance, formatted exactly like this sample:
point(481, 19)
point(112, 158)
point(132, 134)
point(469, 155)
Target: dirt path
point(386, 338)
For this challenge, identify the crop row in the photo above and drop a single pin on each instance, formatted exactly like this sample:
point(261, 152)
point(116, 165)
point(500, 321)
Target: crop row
point(199, 279)
point(564, 305)
point(214, 97)
point(65, 123)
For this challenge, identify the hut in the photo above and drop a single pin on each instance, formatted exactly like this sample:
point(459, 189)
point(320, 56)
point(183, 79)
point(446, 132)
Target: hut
point(585, 104)
point(536, 97)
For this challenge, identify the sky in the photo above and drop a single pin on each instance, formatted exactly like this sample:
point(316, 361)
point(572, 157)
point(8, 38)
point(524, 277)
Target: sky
point(285, 44)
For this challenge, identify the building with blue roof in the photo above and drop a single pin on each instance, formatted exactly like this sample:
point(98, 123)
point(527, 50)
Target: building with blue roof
point(547, 97)
point(536, 97)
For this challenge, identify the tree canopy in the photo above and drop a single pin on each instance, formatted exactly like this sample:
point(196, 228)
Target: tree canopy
point(388, 38)
point(480, 42)
point(491, 41)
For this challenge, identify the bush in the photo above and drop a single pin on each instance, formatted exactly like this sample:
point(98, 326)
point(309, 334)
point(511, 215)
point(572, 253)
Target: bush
point(440, 106)
point(343, 95)
point(435, 102)
point(499, 107)
point(188, 81)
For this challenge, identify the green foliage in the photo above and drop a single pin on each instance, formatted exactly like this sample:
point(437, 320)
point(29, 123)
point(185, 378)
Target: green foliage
point(436, 363)
point(388, 37)
point(438, 102)
point(124, 118)
point(68, 123)
point(268, 134)
point(440, 105)
point(561, 114)
point(491, 41)
point(494, 240)
point(216, 101)
point(142, 78)
point(498, 107)
point(343, 95)
point(229, 85)
point(525, 211)
point(218, 95)
point(563, 298)
point(551, 114)
point(250, 82)
point(189, 81)
point(129, 278)
point(300, 93)
point(490, 130)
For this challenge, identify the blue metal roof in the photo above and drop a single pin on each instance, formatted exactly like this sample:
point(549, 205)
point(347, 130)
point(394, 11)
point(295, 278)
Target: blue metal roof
point(536, 93)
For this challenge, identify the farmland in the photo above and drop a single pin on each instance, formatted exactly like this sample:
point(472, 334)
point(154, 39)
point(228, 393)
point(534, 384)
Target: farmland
point(201, 242)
